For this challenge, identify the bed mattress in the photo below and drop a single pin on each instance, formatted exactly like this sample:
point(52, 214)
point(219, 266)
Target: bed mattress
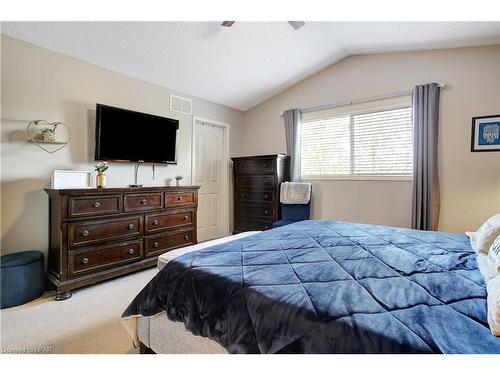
point(328, 287)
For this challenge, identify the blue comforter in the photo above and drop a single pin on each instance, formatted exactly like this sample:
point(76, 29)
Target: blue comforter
point(329, 287)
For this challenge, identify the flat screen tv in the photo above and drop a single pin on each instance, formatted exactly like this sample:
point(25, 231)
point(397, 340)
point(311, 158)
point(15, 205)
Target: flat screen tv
point(128, 136)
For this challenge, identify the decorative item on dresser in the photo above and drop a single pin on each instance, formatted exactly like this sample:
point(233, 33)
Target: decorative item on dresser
point(257, 182)
point(97, 234)
point(100, 178)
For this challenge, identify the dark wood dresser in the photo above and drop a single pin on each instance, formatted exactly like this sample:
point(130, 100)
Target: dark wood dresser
point(257, 182)
point(97, 234)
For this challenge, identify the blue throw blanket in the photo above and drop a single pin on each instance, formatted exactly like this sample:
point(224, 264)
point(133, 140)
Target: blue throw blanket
point(329, 287)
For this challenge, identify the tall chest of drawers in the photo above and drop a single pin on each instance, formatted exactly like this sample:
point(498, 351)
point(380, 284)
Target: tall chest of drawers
point(257, 182)
point(98, 234)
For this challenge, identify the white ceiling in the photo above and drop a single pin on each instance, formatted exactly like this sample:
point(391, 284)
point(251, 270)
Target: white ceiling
point(245, 64)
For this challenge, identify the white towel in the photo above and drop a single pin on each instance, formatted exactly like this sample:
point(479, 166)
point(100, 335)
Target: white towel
point(295, 192)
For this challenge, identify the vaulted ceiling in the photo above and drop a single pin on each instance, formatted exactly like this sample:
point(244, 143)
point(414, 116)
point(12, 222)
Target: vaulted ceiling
point(245, 64)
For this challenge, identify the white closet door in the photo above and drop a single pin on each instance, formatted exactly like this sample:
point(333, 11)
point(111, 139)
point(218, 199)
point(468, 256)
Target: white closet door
point(208, 169)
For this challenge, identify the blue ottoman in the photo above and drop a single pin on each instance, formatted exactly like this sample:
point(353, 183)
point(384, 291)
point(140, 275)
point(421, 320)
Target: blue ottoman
point(22, 277)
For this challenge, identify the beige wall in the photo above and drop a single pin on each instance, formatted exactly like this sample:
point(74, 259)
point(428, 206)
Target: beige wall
point(470, 182)
point(37, 83)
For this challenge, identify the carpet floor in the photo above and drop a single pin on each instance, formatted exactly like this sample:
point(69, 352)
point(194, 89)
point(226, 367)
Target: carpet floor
point(88, 322)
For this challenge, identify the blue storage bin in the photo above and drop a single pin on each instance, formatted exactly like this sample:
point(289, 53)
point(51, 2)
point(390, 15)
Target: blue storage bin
point(22, 277)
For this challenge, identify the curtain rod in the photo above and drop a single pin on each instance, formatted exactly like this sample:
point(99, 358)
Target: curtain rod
point(364, 100)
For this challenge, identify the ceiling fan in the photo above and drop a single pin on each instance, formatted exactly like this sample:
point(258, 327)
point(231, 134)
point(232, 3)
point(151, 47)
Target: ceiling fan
point(295, 24)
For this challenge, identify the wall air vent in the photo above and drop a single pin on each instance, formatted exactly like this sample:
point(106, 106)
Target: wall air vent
point(181, 105)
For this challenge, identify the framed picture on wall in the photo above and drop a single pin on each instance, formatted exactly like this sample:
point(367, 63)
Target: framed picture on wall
point(485, 133)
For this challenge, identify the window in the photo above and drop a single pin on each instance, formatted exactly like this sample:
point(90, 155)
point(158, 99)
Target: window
point(375, 143)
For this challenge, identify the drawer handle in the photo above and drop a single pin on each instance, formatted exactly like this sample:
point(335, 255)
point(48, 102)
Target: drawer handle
point(242, 195)
point(156, 244)
point(144, 201)
point(186, 238)
point(186, 218)
point(156, 222)
point(266, 212)
point(266, 181)
point(85, 260)
point(243, 210)
point(266, 165)
point(131, 226)
point(266, 226)
point(85, 233)
point(130, 251)
point(266, 196)
point(242, 180)
point(97, 205)
point(179, 198)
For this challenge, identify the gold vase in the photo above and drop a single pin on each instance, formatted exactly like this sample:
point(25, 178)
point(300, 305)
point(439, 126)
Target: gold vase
point(100, 180)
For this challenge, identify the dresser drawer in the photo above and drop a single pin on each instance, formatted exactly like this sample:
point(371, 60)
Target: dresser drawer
point(94, 205)
point(81, 234)
point(179, 199)
point(256, 196)
point(157, 222)
point(258, 166)
point(158, 244)
point(245, 223)
point(255, 182)
point(259, 211)
point(102, 257)
point(142, 202)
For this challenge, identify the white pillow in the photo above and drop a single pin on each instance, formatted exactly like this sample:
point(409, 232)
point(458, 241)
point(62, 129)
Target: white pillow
point(472, 238)
point(487, 233)
point(487, 270)
point(494, 305)
point(494, 255)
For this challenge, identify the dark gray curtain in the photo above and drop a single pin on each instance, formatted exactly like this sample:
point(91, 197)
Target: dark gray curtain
point(425, 205)
point(292, 119)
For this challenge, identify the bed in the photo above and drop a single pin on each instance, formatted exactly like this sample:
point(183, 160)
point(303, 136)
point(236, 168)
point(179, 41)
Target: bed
point(321, 286)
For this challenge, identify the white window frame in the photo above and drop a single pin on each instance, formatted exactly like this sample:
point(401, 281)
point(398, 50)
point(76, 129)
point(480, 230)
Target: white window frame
point(359, 177)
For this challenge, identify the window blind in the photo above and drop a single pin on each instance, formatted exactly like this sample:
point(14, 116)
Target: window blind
point(376, 143)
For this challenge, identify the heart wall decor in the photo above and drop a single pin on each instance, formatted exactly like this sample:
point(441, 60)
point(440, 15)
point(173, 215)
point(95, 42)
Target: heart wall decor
point(35, 129)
